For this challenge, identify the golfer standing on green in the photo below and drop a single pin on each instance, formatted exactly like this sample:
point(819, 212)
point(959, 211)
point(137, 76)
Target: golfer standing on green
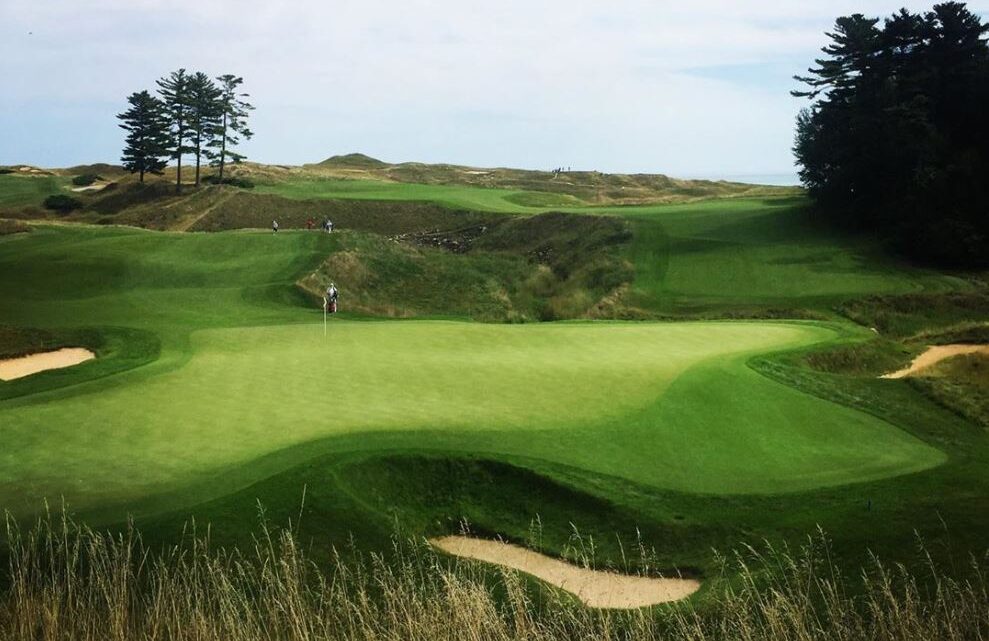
point(331, 298)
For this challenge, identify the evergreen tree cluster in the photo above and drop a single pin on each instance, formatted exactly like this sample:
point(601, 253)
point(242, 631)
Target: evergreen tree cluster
point(191, 115)
point(896, 141)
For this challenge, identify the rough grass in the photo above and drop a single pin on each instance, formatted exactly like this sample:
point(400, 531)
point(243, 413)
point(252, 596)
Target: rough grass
point(544, 267)
point(863, 358)
point(916, 315)
point(69, 582)
point(383, 277)
point(8, 227)
point(960, 384)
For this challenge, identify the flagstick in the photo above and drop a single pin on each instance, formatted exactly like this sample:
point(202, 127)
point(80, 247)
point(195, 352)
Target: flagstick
point(325, 305)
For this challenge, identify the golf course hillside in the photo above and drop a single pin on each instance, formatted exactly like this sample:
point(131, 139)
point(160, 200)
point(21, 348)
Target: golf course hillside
point(712, 376)
point(103, 191)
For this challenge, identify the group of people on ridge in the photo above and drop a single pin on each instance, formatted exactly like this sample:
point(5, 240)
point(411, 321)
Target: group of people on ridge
point(310, 224)
point(330, 299)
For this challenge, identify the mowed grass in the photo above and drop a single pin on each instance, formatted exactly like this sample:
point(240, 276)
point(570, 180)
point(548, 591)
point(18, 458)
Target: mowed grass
point(643, 402)
point(757, 252)
point(20, 191)
point(453, 196)
point(171, 283)
point(245, 372)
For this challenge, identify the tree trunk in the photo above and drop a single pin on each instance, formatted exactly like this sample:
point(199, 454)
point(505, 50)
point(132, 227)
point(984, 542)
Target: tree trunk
point(197, 163)
point(223, 146)
point(142, 175)
point(178, 154)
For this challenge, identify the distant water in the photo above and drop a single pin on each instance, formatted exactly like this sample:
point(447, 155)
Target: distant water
point(783, 180)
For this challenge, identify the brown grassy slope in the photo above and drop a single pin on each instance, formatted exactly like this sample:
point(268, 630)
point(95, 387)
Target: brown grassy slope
point(545, 267)
point(590, 187)
point(8, 227)
point(248, 210)
point(961, 384)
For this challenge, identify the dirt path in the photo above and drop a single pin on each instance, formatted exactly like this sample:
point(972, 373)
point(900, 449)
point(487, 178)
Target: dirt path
point(594, 588)
point(22, 366)
point(936, 354)
point(99, 186)
point(189, 223)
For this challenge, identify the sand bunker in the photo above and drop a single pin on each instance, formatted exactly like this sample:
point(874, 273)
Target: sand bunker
point(594, 588)
point(936, 354)
point(12, 368)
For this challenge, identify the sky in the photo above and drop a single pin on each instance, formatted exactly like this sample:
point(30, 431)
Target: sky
point(694, 88)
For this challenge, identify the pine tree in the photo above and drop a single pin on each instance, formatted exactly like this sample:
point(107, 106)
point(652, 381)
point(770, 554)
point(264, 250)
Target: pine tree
point(232, 124)
point(174, 90)
point(896, 141)
point(205, 114)
point(148, 138)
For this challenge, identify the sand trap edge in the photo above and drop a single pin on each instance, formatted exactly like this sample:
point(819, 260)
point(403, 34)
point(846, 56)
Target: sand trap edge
point(593, 588)
point(15, 368)
point(934, 355)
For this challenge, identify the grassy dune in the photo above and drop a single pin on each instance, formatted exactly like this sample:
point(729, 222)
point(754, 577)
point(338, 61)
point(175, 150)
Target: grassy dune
point(533, 188)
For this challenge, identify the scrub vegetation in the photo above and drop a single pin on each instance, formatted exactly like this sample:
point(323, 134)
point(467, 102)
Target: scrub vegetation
point(70, 582)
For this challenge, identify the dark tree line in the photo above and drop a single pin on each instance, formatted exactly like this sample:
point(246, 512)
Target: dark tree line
point(192, 115)
point(896, 141)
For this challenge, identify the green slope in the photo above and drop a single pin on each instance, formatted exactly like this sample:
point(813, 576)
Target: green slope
point(748, 253)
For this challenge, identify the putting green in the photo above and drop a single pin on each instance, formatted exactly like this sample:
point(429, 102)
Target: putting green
point(670, 405)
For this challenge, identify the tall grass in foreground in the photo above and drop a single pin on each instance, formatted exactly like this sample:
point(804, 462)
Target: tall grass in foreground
point(70, 582)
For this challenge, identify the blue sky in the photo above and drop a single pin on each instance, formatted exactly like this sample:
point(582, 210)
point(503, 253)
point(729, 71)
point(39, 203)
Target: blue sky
point(683, 88)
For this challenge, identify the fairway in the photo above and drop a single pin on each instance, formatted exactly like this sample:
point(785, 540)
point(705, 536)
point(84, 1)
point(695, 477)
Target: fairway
point(454, 196)
point(723, 253)
point(672, 406)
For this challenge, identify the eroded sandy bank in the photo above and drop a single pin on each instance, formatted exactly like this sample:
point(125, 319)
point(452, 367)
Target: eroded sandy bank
point(936, 354)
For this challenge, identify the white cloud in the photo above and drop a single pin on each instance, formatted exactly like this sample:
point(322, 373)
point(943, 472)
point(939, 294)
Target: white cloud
point(607, 85)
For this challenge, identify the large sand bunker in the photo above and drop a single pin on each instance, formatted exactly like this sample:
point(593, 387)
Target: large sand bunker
point(594, 588)
point(935, 355)
point(12, 368)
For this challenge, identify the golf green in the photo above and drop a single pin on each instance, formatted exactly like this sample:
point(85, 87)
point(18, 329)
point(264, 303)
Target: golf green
point(669, 405)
